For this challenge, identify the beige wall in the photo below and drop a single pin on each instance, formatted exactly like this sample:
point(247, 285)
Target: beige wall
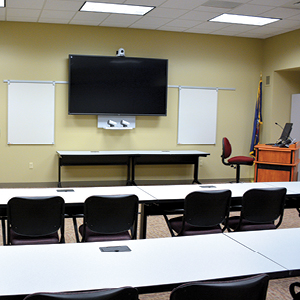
point(282, 63)
point(40, 52)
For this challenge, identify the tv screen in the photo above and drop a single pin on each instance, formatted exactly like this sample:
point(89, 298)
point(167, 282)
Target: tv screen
point(117, 85)
point(286, 131)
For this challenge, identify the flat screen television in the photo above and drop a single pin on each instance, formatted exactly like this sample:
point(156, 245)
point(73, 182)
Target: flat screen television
point(286, 131)
point(117, 85)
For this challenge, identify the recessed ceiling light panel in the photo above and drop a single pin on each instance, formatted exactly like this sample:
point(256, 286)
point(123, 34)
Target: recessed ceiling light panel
point(245, 20)
point(116, 8)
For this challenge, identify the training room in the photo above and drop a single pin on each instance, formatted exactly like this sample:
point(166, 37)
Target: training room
point(213, 75)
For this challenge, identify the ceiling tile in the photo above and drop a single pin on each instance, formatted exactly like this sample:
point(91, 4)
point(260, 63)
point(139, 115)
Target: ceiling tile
point(167, 12)
point(151, 22)
point(169, 15)
point(268, 2)
point(198, 16)
point(221, 4)
point(25, 13)
point(183, 23)
point(53, 14)
point(281, 13)
point(63, 5)
point(253, 10)
point(145, 2)
point(184, 4)
point(33, 4)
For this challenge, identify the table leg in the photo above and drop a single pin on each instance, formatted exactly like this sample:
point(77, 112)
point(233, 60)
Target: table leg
point(133, 171)
point(143, 222)
point(196, 169)
point(59, 173)
point(129, 163)
point(3, 230)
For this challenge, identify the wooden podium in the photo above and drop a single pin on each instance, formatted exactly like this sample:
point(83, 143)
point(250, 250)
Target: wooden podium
point(275, 163)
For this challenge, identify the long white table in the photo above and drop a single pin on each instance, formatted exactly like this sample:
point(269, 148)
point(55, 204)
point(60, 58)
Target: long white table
point(151, 197)
point(152, 265)
point(281, 246)
point(73, 197)
point(171, 195)
point(130, 159)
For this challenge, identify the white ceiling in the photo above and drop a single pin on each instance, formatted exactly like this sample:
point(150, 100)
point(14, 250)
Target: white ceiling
point(169, 15)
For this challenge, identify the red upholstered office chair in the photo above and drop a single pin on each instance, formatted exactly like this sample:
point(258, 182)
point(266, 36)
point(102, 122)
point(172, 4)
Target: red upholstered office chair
point(235, 161)
point(250, 288)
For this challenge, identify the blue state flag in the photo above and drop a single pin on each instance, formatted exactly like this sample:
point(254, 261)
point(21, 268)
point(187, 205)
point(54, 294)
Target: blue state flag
point(257, 119)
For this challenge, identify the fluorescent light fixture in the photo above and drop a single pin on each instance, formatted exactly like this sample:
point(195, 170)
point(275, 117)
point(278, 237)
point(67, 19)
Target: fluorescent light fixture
point(116, 8)
point(245, 20)
point(2, 3)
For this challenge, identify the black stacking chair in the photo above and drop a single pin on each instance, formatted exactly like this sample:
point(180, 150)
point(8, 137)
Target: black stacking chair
point(251, 288)
point(204, 212)
point(35, 220)
point(123, 293)
point(261, 209)
point(109, 218)
point(235, 161)
point(295, 294)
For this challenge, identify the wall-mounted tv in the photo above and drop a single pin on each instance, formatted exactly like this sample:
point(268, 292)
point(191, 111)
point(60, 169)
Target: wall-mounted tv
point(117, 85)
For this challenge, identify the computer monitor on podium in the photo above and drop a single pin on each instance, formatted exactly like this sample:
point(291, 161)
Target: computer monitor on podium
point(285, 138)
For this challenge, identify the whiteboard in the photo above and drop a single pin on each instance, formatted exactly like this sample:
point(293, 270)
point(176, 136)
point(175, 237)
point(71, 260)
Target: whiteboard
point(31, 112)
point(197, 116)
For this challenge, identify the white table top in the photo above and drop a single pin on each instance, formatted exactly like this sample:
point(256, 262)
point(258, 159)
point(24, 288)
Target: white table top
point(135, 152)
point(164, 192)
point(144, 193)
point(293, 187)
point(73, 195)
point(280, 245)
point(152, 262)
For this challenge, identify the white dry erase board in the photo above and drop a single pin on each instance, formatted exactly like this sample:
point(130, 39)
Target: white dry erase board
point(197, 116)
point(31, 112)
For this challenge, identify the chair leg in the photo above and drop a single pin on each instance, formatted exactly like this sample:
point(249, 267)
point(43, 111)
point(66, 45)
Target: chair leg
point(75, 229)
point(169, 226)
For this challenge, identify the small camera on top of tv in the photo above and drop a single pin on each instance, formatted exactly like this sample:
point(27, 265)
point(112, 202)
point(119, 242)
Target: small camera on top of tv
point(121, 52)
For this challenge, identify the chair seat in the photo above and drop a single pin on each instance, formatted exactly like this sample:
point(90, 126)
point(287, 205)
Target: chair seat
point(247, 226)
point(241, 160)
point(91, 236)
point(176, 224)
point(17, 239)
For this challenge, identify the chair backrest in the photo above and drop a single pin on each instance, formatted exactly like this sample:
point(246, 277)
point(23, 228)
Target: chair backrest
point(226, 148)
point(207, 208)
point(36, 216)
point(110, 214)
point(263, 205)
point(251, 288)
point(294, 294)
point(123, 293)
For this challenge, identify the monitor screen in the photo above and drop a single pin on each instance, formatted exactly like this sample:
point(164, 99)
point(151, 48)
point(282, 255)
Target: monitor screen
point(286, 131)
point(114, 85)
